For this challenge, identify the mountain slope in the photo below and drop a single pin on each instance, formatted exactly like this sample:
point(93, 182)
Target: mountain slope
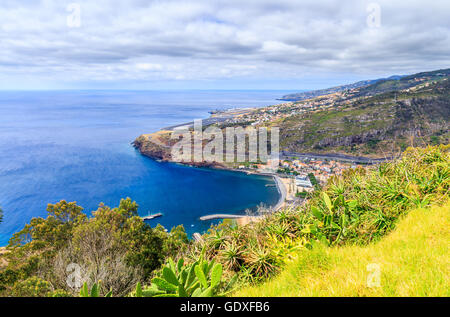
point(320, 92)
point(376, 125)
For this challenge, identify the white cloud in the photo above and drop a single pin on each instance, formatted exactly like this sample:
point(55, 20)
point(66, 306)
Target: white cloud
point(200, 40)
point(149, 66)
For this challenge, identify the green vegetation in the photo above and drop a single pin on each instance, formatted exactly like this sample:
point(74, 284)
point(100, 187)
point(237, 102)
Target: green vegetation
point(199, 279)
point(95, 291)
point(313, 180)
point(383, 123)
point(114, 246)
point(302, 194)
point(341, 228)
point(412, 261)
point(357, 208)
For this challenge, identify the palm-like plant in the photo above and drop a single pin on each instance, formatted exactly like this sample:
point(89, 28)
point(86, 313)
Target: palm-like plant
point(281, 229)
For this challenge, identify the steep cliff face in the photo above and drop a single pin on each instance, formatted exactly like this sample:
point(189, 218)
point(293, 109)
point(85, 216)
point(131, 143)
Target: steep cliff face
point(152, 149)
point(159, 146)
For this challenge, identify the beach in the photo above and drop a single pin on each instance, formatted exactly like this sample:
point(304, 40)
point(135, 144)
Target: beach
point(282, 187)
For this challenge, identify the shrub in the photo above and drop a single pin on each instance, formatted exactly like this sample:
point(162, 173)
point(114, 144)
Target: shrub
point(32, 287)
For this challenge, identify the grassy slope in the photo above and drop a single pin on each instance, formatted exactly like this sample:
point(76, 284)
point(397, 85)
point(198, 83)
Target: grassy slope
point(414, 261)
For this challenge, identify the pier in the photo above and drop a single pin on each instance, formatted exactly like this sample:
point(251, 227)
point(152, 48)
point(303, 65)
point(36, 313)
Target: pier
point(149, 217)
point(221, 216)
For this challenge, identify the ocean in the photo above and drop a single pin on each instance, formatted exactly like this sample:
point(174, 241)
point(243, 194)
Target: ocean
point(76, 146)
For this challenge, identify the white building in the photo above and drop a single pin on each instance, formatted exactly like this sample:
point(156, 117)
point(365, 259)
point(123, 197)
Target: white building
point(303, 181)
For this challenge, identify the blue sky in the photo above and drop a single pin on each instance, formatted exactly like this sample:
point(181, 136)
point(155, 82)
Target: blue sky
point(226, 44)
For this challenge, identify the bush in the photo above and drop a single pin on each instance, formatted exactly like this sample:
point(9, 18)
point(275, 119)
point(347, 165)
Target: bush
point(32, 287)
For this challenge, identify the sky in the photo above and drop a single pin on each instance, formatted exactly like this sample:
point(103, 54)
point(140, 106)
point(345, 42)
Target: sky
point(224, 44)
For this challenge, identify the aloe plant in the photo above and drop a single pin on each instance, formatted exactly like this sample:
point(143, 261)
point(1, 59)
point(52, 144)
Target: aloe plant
point(94, 292)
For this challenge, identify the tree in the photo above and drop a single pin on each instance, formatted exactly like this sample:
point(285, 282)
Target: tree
point(1, 215)
point(114, 245)
point(52, 232)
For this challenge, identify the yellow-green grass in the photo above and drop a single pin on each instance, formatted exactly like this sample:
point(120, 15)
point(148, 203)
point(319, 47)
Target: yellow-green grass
point(414, 260)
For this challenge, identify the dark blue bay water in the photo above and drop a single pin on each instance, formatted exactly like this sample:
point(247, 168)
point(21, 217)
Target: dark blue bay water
point(75, 145)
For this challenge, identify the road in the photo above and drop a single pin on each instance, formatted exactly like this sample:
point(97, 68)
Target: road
point(336, 157)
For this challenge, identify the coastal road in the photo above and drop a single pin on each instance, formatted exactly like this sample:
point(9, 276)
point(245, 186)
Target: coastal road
point(205, 122)
point(336, 157)
point(221, 216)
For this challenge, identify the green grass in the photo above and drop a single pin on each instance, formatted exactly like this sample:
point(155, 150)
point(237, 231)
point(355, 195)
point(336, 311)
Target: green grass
point(413, 260)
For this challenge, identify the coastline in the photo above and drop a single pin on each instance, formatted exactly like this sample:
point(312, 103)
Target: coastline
point(280, 203)
point(156, 146)
point(243, 220)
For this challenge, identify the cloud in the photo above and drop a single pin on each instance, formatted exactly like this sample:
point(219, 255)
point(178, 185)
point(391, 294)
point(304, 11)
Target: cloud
point(209, 40)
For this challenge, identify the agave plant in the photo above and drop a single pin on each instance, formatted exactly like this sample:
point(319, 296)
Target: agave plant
point(216, 239)
point(280, 229)
point(231, 254)
point(260, 260)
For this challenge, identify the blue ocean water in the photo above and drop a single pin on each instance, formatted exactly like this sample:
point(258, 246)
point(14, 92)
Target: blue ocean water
point(75, 145)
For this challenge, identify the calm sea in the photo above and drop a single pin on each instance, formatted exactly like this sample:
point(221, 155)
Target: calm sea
point(75, 145)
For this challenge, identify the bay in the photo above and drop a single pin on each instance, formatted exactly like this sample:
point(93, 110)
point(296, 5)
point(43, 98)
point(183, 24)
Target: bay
point(75, 146)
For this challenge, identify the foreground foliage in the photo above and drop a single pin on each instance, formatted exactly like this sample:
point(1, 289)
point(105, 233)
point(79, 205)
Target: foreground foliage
point(199, 279)
point(412, 261)
point(357, 208)
point(114, 246)
point(94, 292)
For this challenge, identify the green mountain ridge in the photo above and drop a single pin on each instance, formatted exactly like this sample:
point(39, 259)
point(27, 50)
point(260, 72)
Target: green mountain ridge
point(377, 120)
